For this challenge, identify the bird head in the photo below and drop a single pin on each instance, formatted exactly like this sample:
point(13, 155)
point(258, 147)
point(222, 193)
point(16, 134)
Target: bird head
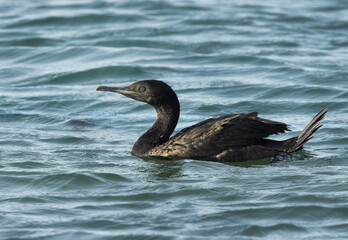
point(149, 91)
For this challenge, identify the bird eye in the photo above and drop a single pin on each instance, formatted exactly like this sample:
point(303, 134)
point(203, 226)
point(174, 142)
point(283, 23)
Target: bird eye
point(142, 89)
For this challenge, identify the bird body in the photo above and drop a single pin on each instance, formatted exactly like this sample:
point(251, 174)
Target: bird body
point(210, 139)
point(236, 137)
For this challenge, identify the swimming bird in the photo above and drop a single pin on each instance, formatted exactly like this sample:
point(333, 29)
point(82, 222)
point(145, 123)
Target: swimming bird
point(235, 137)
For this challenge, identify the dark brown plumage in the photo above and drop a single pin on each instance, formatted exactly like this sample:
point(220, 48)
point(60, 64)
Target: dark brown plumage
point(236, 137)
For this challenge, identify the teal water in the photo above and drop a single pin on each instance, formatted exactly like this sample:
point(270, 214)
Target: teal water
point(66, 171)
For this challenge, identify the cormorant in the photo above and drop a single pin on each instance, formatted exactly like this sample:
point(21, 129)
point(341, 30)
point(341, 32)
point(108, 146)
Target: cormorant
point(236, 137)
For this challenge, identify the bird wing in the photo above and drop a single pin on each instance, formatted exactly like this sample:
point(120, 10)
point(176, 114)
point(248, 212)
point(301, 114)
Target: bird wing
point(216, 134)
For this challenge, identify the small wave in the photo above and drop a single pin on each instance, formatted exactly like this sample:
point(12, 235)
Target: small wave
point(17, 142)
point(332, 26)
point(141, 43)
point(328, 8)
point(164, 6)
point(265, 230)
point(32, 42)
point(88, 75)
point(28, 164)
point(280, 43)
point(69, 139)
point(22, 117)
point(219, 22)
point(81, 122)
point(298, 92)
point(70, 181)
point(83, 19)
point(294, 19)
point(66, 55)
point(339, 43)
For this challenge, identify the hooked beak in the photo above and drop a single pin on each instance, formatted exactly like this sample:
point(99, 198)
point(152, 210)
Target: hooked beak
point(123, 90)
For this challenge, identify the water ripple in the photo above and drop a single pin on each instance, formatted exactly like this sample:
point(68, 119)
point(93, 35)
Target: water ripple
point(66, 169)
point(86, 19)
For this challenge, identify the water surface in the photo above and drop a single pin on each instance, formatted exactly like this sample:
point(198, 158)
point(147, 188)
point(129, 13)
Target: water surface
point(65, 165)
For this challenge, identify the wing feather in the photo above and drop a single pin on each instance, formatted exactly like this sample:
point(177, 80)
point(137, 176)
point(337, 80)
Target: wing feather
point(216, 134)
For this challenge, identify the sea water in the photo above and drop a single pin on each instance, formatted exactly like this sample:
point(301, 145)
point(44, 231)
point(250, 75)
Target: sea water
point(66, 171)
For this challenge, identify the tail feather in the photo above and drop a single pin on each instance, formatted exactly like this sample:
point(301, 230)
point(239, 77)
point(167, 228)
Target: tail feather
point(308, 131)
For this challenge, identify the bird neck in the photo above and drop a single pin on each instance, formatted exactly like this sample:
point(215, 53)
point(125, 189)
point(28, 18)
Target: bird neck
point(160, 131)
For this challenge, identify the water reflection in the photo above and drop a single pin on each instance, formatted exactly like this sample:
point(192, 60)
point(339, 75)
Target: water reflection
point(160, 169)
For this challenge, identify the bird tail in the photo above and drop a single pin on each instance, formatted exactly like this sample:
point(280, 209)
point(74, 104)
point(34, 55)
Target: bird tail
point(308, 131)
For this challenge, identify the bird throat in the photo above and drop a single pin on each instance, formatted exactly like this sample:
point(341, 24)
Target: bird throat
point(160, 131)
